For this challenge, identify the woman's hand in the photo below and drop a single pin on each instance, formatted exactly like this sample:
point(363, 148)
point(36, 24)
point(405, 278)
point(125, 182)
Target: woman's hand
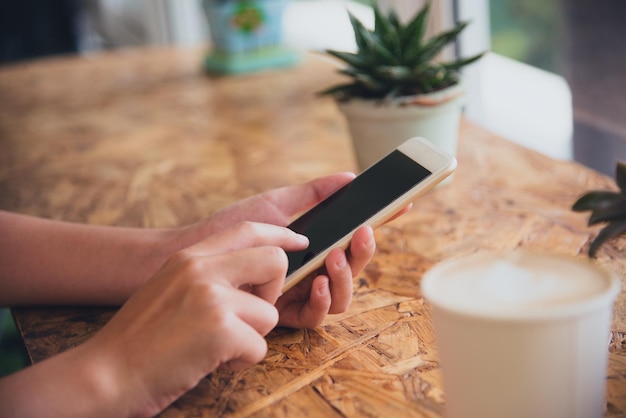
point(209, 306)
point(308, 303)
point(330, 291)
point(276, 207)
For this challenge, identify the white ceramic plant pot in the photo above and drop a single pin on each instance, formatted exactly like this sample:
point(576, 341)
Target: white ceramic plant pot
point(377, 128)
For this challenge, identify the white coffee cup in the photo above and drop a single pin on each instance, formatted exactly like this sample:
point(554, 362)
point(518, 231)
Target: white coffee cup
point(522, 334)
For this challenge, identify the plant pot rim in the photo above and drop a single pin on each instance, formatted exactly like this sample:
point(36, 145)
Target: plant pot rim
point(404, 108)
point(433, 99)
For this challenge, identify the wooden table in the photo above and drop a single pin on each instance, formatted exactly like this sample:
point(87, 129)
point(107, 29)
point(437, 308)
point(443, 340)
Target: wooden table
point(144, 138)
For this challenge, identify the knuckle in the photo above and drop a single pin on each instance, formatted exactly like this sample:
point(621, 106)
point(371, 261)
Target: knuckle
point(271, 319)
point(274, 322)
point(260, 352)
point(180, 257)
point(222, 319)
point(266, 319)
point(191, 265)
point(278, 258)
point(208, 292)
point(213, 300)
point(247, 228)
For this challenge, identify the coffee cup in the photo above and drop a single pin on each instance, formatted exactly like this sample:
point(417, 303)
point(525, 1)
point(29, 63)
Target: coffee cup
point(522, 334)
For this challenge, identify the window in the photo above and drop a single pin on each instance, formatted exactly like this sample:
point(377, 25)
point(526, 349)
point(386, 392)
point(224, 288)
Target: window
point(523, 101)
point(569, 93)
point(529, 31)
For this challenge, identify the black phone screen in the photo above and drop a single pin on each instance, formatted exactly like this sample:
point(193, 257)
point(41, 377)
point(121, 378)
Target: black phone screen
point(355, 203)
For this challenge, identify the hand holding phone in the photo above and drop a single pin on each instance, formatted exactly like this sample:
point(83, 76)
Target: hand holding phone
point(372, 198)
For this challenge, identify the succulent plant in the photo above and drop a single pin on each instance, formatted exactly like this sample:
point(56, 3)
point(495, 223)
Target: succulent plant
point(395, 59)
point(606, 207)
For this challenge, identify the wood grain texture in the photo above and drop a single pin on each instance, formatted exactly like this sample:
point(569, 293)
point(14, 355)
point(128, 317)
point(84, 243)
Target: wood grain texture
point(144, 138)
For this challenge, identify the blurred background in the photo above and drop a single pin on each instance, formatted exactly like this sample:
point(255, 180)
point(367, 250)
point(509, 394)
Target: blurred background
point(542, 51)
point(553, 81)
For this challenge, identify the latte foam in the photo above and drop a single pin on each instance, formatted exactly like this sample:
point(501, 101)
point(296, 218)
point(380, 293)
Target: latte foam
point(519, 282)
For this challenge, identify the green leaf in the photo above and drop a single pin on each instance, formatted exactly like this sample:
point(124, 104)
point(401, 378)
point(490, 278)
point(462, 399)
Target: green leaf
point(416, 28)
point(394, 72)
point(596, 199)
point(395, 59)
point(434, 45)
point(394, 92)
point(349, 71)
point(370, 82)
point(351, 59)
point(614, 212)
point(419, 71)
point(378, 51)
point(620, 176)
point(455, 65)
point(609, 232)
point(392, 17)
point(339, 90)
point(370, 45)
point(387, 32)
point(358, 29)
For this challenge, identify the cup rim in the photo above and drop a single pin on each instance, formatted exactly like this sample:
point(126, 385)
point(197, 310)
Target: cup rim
point(573, 309)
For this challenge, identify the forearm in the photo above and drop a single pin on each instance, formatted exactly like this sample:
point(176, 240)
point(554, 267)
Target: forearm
point(44, 261)
point(71, 384)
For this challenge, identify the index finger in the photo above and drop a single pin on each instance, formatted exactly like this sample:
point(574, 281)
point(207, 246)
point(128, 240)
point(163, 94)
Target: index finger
point(248, 235)
point(261, 268)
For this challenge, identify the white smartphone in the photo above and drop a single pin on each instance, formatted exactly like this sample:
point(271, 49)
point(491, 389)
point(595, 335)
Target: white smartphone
point(372, 198)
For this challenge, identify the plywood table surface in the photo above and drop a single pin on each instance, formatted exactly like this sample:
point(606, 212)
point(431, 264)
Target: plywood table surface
point(144, 138)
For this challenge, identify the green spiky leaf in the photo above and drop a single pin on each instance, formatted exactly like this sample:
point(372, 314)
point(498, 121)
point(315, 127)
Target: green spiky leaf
point(458, 64)
point(369, 82)
point(609, 213)
point(434, 46)
point(596, 199)
point(395, 59)
point(359, 30)
point(387, 32)
point(394, 72)
point(416, 28)
point(339, 90)
point(392, 17)
point(606, 206)
point(608, 233)
point(354, 60)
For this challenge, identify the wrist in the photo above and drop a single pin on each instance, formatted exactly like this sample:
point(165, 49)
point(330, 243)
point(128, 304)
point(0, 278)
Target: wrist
point(112, 388)
point(146, 255)
point(186, 236)
point(71, 384)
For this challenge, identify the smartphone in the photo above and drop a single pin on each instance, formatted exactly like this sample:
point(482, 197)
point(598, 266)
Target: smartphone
point(372, 198)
